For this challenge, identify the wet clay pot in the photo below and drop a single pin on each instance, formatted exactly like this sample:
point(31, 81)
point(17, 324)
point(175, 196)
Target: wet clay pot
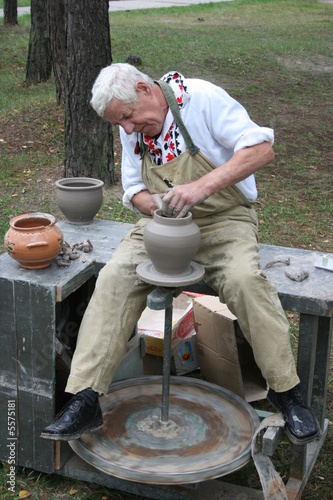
point(79, 198)
point(33, 240)
point(171, 243)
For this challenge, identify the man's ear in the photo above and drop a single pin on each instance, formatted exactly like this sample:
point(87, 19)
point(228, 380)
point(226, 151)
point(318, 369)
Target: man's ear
point(143, 87)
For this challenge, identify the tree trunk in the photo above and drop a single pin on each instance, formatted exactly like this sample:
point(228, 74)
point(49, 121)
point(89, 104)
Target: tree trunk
point(57, 20)
point(39, 64)
point(88, 138)
point(10, 12)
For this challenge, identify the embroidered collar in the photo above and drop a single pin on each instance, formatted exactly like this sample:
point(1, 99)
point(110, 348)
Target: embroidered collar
point(170, 142)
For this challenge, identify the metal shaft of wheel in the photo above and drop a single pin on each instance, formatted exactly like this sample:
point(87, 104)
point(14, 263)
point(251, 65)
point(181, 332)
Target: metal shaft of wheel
point(162, 299)
point(166, 363)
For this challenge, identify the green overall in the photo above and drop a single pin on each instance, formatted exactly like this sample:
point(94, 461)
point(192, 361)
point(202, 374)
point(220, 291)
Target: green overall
point(228, 252)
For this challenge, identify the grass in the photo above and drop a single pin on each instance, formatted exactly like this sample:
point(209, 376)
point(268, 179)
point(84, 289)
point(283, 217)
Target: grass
point(20, 3)
point(274, 57)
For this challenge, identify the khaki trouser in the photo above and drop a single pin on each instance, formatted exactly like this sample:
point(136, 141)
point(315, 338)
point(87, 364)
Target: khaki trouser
point(229, 253)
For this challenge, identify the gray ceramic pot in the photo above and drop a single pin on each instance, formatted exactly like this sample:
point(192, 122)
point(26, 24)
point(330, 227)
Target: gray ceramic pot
point(79, 198)
point(171, 243)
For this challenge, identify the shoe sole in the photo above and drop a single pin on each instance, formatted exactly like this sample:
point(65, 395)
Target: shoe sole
point(291, 436)
point(298, 441)
point(71, 437)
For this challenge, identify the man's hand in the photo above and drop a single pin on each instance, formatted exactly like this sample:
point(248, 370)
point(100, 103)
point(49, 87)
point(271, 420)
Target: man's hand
point(157, 202)
point(180, 199)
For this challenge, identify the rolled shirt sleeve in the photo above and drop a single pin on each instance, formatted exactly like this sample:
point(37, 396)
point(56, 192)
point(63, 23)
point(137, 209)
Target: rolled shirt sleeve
point(255, 136)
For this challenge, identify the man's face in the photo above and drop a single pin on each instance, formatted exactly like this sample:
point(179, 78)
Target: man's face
point(145, 117)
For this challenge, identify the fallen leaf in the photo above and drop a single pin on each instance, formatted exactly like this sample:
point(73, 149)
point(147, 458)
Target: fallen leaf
point(24, 494)
point(73, 491)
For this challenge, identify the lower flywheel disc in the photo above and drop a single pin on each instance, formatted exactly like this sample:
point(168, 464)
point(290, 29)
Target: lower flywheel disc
point(208, 433)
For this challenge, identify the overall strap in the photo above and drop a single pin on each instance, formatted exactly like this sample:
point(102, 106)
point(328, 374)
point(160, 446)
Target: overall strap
point(173, 105)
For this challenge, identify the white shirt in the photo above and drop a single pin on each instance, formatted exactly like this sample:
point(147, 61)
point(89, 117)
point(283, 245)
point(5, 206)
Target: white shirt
point(217, 124)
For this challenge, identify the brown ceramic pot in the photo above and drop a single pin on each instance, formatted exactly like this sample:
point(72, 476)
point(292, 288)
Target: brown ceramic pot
point(79, 198)
point(171, 243)
point(33, 240)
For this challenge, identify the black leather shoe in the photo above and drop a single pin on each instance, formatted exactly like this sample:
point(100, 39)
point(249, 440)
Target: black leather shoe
point(301, 425)
point(81, 413)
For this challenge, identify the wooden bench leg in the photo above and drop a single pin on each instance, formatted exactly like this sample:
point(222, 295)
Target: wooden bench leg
point(313, 365)
point(306, 356)
point(322, 367)
point(303, 460)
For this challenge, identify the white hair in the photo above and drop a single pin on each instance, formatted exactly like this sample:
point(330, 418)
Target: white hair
point(117, 81)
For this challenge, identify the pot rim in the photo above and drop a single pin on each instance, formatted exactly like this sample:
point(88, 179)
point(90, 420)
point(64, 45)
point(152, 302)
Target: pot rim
point(172, 220)
point(90, 182)
point(31, 216)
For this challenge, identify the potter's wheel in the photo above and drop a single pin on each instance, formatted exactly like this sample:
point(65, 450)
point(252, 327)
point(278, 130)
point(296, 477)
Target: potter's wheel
point(193, 273)
point(208, 433)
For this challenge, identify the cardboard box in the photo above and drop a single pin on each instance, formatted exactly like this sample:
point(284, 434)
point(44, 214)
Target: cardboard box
point(184, 358)
point(151, 324)
point(225, 357)
point(185, 355)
